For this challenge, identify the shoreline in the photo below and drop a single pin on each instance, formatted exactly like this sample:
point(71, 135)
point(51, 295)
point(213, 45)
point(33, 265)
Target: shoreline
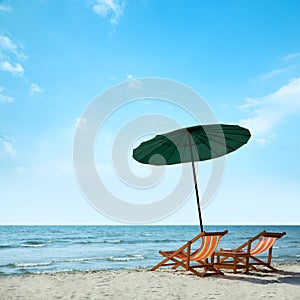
point(277, 264)
point(146, 284)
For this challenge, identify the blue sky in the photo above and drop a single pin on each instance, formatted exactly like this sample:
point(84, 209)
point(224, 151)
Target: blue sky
point(243, 57)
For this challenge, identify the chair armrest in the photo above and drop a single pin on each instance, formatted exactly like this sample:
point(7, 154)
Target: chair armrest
point(186, 245)
point(248, 243)
point(226, 250)
point(197, 237)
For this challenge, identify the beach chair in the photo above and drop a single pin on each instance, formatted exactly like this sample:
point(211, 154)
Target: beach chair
point(191, 260)
point(246, 256)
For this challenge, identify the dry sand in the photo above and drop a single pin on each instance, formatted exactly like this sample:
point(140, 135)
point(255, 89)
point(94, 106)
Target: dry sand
point(162, 284)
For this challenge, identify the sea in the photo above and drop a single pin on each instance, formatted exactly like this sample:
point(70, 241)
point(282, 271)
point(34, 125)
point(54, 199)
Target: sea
point(50, 249)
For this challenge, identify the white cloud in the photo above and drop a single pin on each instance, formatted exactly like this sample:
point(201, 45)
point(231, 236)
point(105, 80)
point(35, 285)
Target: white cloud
point(35, 89)
point(7, 148)
point(109, 8)
point(250, 102)
point(129, 76)
point(291, 56)
point(16, 69)
point(275, 73)
point(271, 110)
point(263, 141)
point(10, 56)
point(9, 46)
point(5, 98)
point(5, 8)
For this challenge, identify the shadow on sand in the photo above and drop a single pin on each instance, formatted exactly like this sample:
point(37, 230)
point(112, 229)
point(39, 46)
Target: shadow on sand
point(266, 278)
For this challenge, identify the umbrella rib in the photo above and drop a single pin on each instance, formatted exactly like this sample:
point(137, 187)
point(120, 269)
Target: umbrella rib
point(151, 145)
point(225, 132)
point(174, 148)
point(161, 143)
point(208, 145)
point(226, 138)
point(166, 146)
point(212, 135)
point(186, 147)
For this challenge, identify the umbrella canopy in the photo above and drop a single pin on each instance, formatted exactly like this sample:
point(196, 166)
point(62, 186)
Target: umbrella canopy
point(197, 143)
point(207, 142)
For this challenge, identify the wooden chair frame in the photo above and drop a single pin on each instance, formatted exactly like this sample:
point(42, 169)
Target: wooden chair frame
point(183, 257)
point(242, 258)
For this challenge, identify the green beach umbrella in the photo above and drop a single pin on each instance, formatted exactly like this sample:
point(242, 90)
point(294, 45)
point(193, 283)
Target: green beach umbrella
point(197, 143)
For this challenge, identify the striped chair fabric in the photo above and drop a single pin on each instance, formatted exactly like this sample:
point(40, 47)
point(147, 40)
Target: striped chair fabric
point(208, 246)
point(263, 245)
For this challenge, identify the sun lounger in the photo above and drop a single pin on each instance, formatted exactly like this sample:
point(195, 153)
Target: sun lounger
point(191, 260)
point(246, 256)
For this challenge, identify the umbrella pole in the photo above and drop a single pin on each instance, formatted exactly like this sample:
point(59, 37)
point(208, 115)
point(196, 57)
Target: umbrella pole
point(195, 182)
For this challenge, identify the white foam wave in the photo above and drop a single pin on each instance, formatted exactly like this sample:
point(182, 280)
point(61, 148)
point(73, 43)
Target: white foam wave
point(112, 241)
point(26, 265)
point(33, 245)
point(82, 259)
point(127, 258)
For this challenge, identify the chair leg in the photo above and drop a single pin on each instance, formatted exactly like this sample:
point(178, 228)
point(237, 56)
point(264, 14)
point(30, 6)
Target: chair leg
point(260, 262)
point(270, 256)
point(247, 263)
point(176, 264)
point(160, 264)
point(209, 269)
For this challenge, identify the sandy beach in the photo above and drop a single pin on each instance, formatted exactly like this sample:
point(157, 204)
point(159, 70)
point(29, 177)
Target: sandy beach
point(162, 284)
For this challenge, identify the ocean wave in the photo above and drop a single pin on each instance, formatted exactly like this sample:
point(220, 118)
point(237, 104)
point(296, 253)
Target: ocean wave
point(138, 256)
point(34, 242)
point(127, 258)
point(158, 241)
point(33, 245)
point(29, 265)
point(118, 241)
point(286, 247)
point(56, 271)
point(164, 241)
point(100, 242)
point(4, 246)
point(112, 241)
point(80, 259)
